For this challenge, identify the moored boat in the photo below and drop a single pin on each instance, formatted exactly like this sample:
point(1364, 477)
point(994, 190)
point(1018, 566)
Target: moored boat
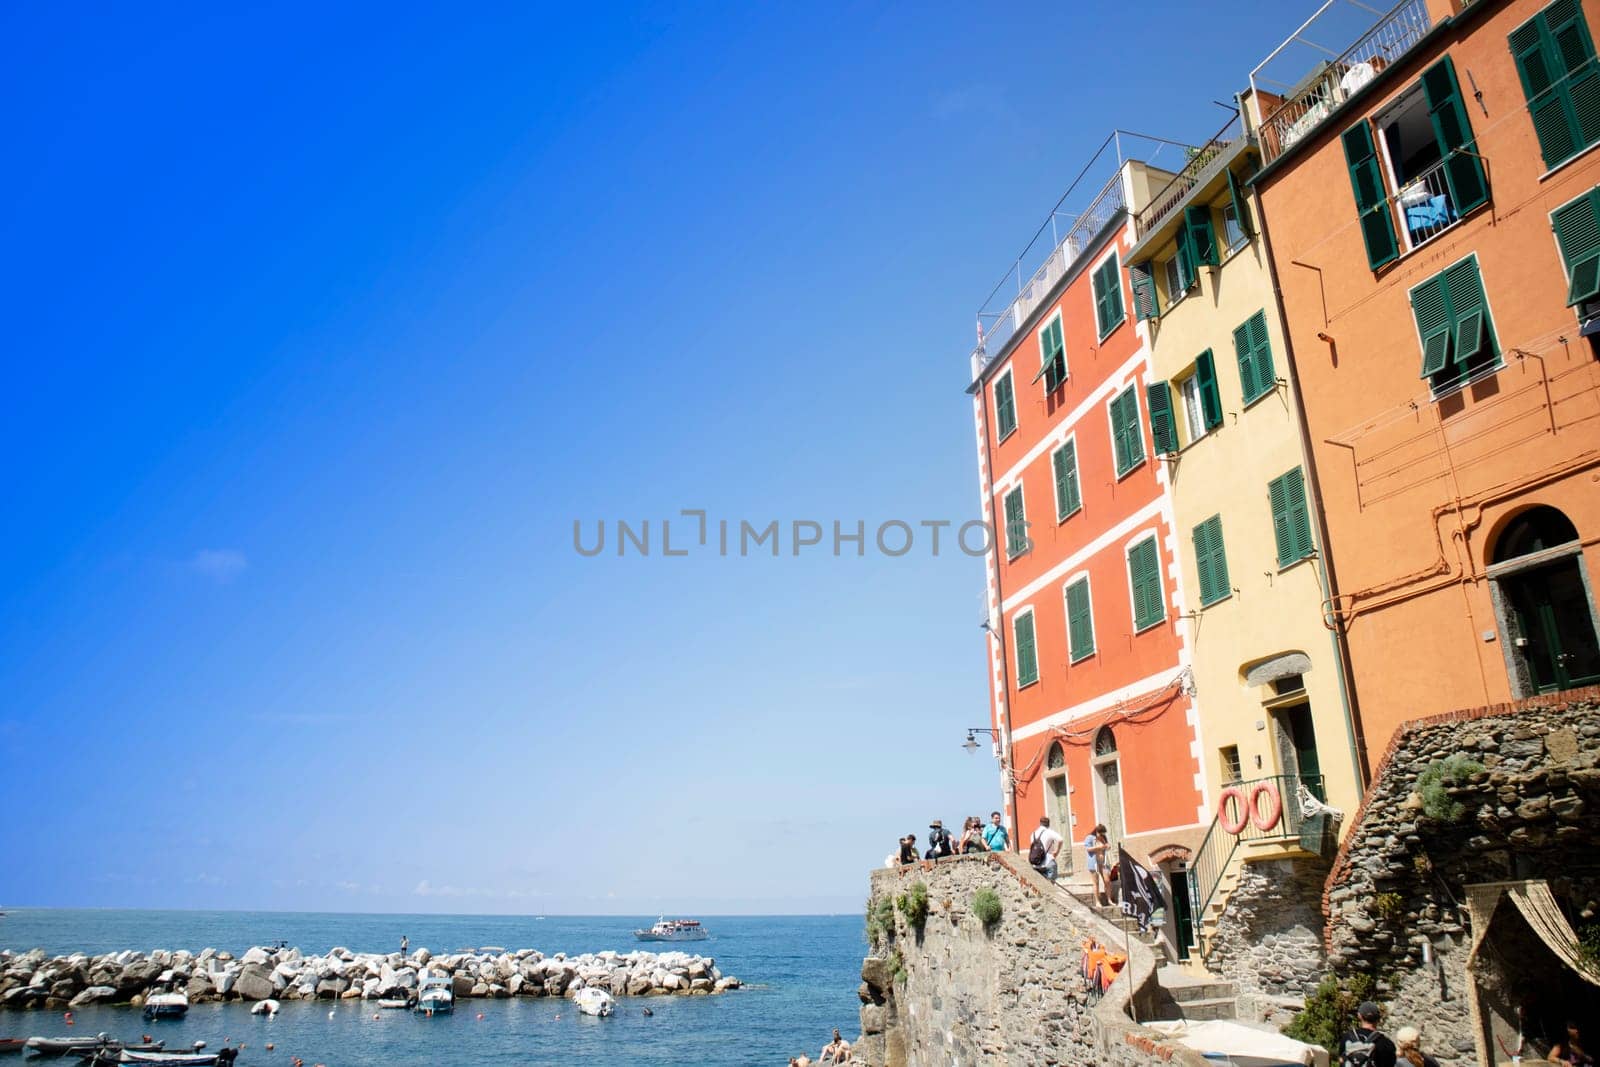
point(434, 995)
point(113, 1047)
point(11, 1044)
point(170, 1005)
point(592, 1000)
point(673, 930)
point(60, 1046)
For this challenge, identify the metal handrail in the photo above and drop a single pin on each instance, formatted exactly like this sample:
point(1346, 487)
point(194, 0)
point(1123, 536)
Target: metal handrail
point(1172, 194)
point(1216, 851)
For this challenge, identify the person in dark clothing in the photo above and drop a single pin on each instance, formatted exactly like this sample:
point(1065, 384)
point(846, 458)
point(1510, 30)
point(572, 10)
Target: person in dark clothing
point(1365, 1046)
point(1571, 1048)
point(938, 841)
point(908, 850)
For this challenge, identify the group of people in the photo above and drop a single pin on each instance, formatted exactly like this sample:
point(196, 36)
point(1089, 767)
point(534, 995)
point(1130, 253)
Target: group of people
point(835, 1051)
point(1367, 1046)
point(975, 837)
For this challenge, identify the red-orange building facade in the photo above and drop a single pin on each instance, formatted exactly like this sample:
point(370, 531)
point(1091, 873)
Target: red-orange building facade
point(1089, 691)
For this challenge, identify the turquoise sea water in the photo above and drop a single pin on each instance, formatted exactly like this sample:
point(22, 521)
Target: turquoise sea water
point(801, 971)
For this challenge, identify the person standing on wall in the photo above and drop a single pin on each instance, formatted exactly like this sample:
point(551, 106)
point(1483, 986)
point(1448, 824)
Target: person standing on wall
point(994, 835)
point(1044, 848)
point(1365, 1046)
point(1095, 847)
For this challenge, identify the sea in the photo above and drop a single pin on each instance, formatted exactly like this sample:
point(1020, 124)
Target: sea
point(801, 974)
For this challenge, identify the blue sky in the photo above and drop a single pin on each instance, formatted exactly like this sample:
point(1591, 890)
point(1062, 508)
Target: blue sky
point(326, 324)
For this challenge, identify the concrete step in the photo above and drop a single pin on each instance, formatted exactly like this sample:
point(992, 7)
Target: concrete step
point(1210, 1008)
point(1188, 994)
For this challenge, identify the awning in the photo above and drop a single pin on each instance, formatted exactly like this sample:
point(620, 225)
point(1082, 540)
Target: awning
point(1244, 1046)
point(1538, 906)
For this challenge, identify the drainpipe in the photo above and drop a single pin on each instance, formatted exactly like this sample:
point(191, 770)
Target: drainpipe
point(1326, 576)
point(999, 634)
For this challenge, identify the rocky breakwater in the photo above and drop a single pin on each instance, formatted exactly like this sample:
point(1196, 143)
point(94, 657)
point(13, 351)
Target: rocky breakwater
point(36, 980)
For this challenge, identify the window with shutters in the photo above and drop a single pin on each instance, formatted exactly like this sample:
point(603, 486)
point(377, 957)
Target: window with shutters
point(1232, 229)
point(1202, 405)
point(1005, 406)
point(1144, 584)
point(1176, 283)
point(1430, 155)
point(1142, 280)
point(1555, 59)
point(1454, 328)
point(1127, 436)
point(1016, 524)
point(1163, 420)
point(1027, 651)
point(1080, 620)
point(1064, 466)
point(1108, 312)
point(1052, 354)
point(1291, 517)
point(1211, 562)
point(1253, 349)
point(1577, 229)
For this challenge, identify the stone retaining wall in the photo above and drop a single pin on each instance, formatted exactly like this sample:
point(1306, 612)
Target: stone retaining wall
point(1269, 937)
point(1011, 994)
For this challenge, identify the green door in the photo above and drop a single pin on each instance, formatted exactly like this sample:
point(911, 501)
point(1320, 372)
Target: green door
point(1297, 722)
point(1555, 630)
point(1182, 918)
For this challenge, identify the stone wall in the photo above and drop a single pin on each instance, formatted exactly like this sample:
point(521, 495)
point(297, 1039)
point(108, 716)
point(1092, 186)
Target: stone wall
point(956, 993)
point(1268, 940)
point(1396, 894)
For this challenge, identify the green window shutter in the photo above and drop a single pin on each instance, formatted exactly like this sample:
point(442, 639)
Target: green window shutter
point(1005, 407)
point(1560, 79)
point(1064, 464)
point(1463, 171)
point(1291, 517)
point(1202, 235)
point(1470, 309)
point(1052, 356)
point(1211, 561)
point(1372, 204)
point(1253, 348)
point(1108, 296)
point(1080, 621)
point(1186, 268)
point(1016, 525)
point(1145, 305)
point(1205, 373)
point(1163, 428)
point(1241, 206)
point(1126, 438)
point(1577, 227)
point(1431, 310)
point(1027, 653)
point(1144, 567)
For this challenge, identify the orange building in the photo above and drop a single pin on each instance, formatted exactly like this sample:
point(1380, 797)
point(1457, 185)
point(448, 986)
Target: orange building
point(1089, 691)
point(1432, 207)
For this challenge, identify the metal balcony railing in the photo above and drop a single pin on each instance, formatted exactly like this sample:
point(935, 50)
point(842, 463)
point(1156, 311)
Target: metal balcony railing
point(1216, 852)
point(1425, 206)
point(1305, 105)
point(1200, 160)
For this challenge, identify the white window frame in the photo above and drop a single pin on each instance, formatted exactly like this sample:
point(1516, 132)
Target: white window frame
point(1194, 417)
point(1231, 218)
point(1072, 580)
point(1171, 281)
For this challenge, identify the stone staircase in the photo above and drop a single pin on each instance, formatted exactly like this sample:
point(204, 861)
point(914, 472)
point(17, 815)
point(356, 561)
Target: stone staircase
point(1193, 998)
point(1206, 926)
point(1083, 893)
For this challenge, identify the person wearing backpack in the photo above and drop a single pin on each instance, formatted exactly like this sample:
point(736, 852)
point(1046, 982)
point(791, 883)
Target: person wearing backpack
point(1043, 848)
point(1365, 1045)
point(939, 844)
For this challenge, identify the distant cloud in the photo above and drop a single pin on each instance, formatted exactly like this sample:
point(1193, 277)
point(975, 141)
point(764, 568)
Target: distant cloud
point(221, 565)
point(426, 888)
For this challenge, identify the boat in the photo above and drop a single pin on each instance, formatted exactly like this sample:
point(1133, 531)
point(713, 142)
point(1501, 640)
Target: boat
point(434, 996)
point(10, 1045)
point(170, 1005)
point(592, 1000)
point(264, 1007)
point(673, 930)
point(60, 1046)
point(392, 1003)
point(223, 1057)
point(111, 1047)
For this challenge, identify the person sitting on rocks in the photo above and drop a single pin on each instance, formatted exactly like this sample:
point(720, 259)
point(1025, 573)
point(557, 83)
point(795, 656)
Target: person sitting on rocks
point(939, 844)
point(908, 850)
point(835, 1051)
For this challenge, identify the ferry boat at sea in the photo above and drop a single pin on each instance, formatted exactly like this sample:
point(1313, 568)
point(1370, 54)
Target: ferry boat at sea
point(673, 930)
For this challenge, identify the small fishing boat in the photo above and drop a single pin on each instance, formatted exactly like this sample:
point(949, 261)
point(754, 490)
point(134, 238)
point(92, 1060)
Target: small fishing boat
point(61, 1046)
point(10, 1045)
point(434, 996)
point(113, 1047)
point(393, 1003)
point(170, 1005)
point(264, 1007)
point(223, 1057)
point(592, 1000)
point(673, 930)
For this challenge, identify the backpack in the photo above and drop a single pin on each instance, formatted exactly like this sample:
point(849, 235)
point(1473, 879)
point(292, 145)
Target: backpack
point(1358, 1048)
point(1036, 851)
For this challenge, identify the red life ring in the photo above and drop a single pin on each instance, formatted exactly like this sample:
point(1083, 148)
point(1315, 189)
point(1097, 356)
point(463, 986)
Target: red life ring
point(1268, 819)
point(1233, 826)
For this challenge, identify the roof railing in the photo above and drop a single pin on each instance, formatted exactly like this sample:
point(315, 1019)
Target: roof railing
point(1302, 106)
point(1200, 160)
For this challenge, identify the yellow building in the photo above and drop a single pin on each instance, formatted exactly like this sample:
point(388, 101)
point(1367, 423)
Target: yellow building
point(1225, 420)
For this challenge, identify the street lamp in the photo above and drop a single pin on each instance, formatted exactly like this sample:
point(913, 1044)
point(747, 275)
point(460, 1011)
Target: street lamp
point(971, 743)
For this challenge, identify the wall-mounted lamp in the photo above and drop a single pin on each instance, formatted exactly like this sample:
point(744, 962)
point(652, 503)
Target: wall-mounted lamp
point(971, 743)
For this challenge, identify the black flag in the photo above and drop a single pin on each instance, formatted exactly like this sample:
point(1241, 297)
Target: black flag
point(1141, 890)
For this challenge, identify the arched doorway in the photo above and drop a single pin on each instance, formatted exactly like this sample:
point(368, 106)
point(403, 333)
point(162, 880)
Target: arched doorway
point(1108, 783)
point(1058, 804)
point(1544, 603)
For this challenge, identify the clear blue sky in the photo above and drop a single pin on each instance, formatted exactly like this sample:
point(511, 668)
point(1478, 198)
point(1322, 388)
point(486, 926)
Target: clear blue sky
point(324, 324)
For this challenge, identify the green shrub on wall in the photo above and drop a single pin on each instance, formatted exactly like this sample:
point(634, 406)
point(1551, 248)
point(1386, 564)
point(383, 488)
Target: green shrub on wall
point(1329, 1011)
point(913, 904)
point(1437, 803)
point(897, 968)
point(1388, 905)
point(880, 920)
point(986, 906)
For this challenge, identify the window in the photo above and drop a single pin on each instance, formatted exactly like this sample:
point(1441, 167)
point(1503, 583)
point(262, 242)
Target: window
point(1254, 351)
point(1232, 229)
point(1163, 424)
point(1108, 296)
point(1016, 525)
point(1430, 154)
point(1239, 211)
point(1211, 560)
point(1453, 326)
point(1291, 521)
point(1127, 438)
point(1198, 237)
point(1202, 405)
point(1176, 285)
point(1372, 204)
point(1080, 621)
point(1556, 62)
point(1064, 464)
point(1142, 278)
point(1027, 653)
point(1232, 769)
point(1052, 355)
point(1005, 407)
point(1577, 227)
point(1144, 579)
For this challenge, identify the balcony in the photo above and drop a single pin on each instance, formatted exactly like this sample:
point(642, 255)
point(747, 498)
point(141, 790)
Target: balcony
point(1203, 162)
point(1289, 112)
